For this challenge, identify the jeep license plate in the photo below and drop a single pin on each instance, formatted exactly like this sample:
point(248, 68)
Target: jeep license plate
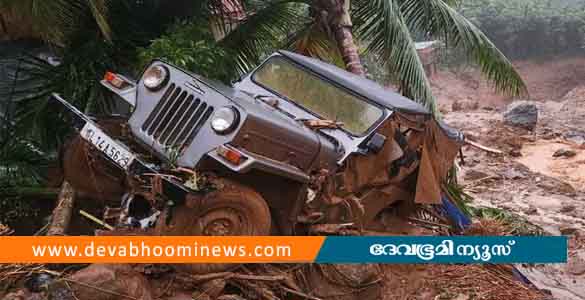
point(107, 145)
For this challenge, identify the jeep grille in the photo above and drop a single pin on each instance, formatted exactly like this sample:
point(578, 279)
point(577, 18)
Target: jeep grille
point(177, 118)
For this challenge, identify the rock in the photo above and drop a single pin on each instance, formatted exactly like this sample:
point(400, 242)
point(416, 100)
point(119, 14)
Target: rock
point(567, 208)
point(515, 153)
point(553, 185)
point(531, 210)
point(575, 266)
point(462, 297)
point(513, 174)
point(567, 153)
point(521, 114)
point(577, 137)
point(18, 295)
point(456, 106)
point(567, 230)
point(38, 282)
point(473, 174)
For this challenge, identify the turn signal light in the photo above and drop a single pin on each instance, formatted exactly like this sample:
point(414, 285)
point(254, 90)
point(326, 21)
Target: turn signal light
point(115, 80)
point(230, 155)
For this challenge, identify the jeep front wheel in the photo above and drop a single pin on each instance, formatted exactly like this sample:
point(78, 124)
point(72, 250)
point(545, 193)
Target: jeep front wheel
point(232, 210)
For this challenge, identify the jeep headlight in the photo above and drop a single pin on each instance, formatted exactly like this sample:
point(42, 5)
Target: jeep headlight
point(224, 120)
point(156, 77)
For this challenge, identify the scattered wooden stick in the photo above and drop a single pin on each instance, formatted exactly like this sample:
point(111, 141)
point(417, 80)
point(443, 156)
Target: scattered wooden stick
point(5, 230)
point(231, 275)
point(92, 218)
point(303, 295)
point(482, 147)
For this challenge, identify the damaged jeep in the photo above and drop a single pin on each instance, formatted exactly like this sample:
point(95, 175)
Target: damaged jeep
point(293, 144)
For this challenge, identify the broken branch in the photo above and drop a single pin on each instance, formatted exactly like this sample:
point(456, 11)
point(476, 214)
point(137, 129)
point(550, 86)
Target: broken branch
point(62, 213)
point(482, 147)
point(92, 218)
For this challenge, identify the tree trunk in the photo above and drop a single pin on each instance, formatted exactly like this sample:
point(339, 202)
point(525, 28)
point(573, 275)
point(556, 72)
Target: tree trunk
point(348, 50)
point(62, 213)
point(339, 24)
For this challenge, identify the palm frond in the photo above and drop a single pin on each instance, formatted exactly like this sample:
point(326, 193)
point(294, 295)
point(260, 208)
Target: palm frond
point(99, 9)
point(55, 19)
point(264, 29)
point(312, 41)
point(22, 162)
point(381, 25)
point(439, 19)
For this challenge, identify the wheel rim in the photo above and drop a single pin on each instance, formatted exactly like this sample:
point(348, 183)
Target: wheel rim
point(224, 222)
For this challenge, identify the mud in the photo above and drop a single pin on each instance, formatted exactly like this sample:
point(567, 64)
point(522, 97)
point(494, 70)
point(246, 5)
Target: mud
point(548, 80)
point(531, 179)
point(527, 180)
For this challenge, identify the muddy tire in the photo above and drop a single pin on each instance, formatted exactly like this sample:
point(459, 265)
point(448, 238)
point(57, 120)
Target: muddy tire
point(233, 210)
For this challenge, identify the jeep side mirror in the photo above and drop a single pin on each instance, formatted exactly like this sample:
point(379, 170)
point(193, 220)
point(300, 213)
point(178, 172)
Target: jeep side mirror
point(376, 143)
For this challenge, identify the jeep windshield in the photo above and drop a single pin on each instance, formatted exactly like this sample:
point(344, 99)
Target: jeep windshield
point(321, 97)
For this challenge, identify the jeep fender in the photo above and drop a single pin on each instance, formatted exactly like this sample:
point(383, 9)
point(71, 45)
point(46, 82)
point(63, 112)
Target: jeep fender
point(261, 163)
point(128, 94)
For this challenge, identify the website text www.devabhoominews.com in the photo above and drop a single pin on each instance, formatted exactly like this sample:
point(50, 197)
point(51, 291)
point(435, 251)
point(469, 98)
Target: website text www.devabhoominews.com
point(284, 249)
point(142, 249)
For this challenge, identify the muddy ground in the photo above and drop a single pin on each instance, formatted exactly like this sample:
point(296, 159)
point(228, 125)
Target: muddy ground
point(528, 179)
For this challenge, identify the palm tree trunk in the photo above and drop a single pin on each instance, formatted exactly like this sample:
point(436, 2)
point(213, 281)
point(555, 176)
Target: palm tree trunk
point(338, 23)
point(348, 49)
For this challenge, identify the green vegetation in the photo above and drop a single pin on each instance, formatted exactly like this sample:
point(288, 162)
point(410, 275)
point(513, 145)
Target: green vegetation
point(191, 46)
point(514, 223)
point(525, 29)
point(93, 36)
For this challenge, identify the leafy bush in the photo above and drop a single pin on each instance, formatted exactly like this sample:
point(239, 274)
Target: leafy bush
point(191, 46)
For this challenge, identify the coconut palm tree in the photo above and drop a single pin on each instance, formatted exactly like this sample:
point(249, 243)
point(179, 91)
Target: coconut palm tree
point(328, 29)
point(54, 19)
point(96, 35)
point(384, 28)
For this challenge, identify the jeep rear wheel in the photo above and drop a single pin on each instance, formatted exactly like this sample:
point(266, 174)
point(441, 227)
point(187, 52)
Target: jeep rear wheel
point(230, 211)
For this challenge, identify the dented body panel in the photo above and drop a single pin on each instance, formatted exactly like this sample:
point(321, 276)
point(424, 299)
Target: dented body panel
point(190, 132)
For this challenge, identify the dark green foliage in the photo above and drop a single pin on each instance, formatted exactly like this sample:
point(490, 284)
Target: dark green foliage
point(84, 59)
point(191, 46)
point(265, 29)
point(33, 130)
point(54, 20)
point(388, 26)
point(516, 224)
point(524, 29)
point(93, 36)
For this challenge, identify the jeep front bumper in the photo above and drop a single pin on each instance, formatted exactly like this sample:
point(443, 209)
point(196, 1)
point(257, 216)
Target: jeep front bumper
point(119, 154)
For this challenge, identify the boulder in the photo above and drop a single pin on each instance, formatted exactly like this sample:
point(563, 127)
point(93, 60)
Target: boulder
point(521, 114)
point(577, 137)
point(567, 153)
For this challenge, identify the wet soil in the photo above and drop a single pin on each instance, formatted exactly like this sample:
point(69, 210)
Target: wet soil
point(540, 176)
point(527, 180)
